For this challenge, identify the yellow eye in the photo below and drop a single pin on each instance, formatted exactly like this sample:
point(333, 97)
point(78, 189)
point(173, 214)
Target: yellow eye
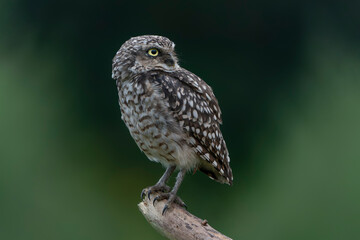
point(153, 52)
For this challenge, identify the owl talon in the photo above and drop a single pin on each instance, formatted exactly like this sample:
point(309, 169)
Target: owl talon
point(142, 194)
point(156, 188)
point(155, 199)
point(164, 209)
point(171, 199)
point(148, 194)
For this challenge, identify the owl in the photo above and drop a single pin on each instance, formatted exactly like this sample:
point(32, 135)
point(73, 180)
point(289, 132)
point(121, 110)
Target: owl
point(171, 113)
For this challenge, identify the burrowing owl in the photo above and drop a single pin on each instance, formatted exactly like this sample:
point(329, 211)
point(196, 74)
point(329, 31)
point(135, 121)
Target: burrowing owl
point(171, 113)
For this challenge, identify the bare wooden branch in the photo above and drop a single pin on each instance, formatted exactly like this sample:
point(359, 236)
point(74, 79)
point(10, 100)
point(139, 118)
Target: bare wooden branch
point(177, 223)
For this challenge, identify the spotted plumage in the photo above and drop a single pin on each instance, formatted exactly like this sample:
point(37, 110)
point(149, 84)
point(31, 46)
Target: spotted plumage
point(171, 113)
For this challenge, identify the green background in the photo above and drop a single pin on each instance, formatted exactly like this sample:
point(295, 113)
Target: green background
point(287, 77)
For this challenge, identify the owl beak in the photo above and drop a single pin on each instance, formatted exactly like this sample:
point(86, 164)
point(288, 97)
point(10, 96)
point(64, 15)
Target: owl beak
point(169, 61)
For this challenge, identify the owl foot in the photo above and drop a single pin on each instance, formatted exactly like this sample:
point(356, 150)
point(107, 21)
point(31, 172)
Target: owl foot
point(156, 188)
point(172, 198)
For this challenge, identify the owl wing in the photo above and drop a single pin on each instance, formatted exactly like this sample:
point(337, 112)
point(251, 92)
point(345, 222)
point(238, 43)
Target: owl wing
point(195, 107)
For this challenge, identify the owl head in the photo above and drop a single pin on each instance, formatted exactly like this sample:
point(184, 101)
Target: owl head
point(144, 53)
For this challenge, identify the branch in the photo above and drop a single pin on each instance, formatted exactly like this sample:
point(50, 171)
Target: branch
point(177, 223)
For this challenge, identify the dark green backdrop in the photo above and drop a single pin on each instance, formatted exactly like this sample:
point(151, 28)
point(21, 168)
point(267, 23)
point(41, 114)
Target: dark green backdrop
point(286, 74)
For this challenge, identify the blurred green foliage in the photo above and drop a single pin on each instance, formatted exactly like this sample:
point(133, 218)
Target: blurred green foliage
point(287, 79)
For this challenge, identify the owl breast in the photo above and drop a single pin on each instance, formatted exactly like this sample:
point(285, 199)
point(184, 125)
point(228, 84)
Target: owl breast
point(152, 125)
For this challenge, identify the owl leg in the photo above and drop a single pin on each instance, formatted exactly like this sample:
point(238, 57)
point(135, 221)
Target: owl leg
point(171, 196)
point(161, 184)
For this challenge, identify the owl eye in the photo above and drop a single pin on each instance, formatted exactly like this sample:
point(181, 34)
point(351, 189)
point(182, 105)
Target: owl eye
point(153, 52)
